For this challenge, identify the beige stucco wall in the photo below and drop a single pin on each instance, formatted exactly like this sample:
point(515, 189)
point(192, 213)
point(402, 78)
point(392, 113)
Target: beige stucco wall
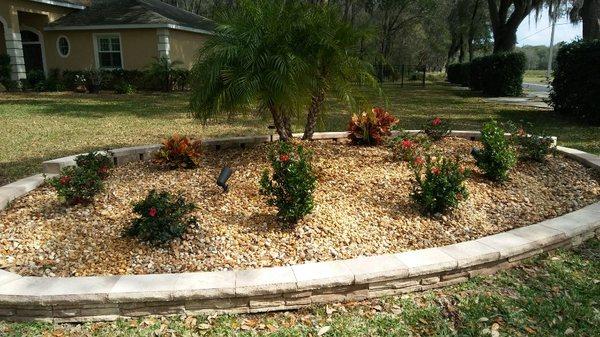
point(185, 45)
point(138, 47)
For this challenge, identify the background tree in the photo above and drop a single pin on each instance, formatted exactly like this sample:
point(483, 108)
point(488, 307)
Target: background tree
point(469, 27)
point(587, 11)
point(507, 15)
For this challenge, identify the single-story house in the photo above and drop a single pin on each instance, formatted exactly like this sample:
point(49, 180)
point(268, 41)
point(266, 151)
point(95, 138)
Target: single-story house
point(97, 34)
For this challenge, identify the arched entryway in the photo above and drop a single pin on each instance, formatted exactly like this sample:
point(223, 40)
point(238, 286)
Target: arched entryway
point(33, 50)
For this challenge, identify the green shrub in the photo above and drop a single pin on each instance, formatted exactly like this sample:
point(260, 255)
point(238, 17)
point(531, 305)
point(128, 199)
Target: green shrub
point(458, 73)
point(5, 69)
point(497, 156)
point(77, 185)
point(576, 83)
point(407, 147)
point(532, 147)
point(292, 184)
point(124, 89)
point(499, 74)
point(95, 162)
point(476, 74)
point(439, 184)
point(436, 129)
point(370, 128)
point(162, 217)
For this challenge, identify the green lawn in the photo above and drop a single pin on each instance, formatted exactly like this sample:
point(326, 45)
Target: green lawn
point(41, 126)
point(535, 76)
point(551, 295)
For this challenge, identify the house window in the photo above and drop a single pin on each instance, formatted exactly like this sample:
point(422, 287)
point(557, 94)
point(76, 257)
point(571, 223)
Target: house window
point(63, 46)
point(109, 51)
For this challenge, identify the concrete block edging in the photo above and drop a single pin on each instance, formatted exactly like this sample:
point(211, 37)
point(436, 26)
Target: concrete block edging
point(100, 298)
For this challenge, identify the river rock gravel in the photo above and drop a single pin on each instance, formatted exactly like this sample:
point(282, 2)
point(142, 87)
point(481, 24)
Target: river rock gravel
point(362, 207)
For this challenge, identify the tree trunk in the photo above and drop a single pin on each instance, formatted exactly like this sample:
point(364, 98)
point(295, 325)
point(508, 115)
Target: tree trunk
point(505, 39)
point(313, 112)
point(282, 124)
point(590, 14)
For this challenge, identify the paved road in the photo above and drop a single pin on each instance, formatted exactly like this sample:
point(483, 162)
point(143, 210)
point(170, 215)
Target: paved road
point(536, 87)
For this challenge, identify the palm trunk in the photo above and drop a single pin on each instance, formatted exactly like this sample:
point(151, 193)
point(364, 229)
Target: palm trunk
point(313, 112)
point(282, 124)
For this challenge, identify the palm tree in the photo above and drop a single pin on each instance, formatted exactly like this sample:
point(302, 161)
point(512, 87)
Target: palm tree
point(253, 60)
point(332, 54)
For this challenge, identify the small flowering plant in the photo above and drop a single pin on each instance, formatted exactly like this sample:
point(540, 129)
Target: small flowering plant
point(178, 152)
point(77, 185)
point(162, 217)
point(370, 128)
point(290, 188)
point(439, 183)
point(530, 146)
point(406, 147)
point(96, 162)
point(436, 129)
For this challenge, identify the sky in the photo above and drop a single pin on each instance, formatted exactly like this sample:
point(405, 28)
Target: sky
point(533, 34)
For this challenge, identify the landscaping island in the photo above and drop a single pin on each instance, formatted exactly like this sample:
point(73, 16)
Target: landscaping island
point(362, 208)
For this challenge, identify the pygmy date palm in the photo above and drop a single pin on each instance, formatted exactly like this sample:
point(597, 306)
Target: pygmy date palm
point(331, 52)
point(252, 61)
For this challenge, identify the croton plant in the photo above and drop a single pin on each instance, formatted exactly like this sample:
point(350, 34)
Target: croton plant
point(370, 128)
point(178, 152)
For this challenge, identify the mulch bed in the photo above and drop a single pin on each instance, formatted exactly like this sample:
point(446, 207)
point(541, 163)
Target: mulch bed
point(362, 202)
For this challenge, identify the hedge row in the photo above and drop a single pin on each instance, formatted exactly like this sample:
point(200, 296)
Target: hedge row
point(576, 84)
point(496, 75)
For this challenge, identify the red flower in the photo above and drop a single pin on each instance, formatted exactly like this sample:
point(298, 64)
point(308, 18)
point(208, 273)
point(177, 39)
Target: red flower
point(64, 180)
point(419, 161)
point(436, 121)
point(406, 144)
point(152, 212)
point(284, 158)
point(103, 169)
point(435, 171)
point(461, 169)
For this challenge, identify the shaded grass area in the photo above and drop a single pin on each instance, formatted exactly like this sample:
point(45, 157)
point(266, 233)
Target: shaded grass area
point(554, 294)
point(41, 126)
point(536, 76)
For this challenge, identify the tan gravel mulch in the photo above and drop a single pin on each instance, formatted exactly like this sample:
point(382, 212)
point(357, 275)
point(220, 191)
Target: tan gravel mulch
point(362, 202)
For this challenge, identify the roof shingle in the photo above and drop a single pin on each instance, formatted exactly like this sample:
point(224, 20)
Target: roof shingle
point(133, 12)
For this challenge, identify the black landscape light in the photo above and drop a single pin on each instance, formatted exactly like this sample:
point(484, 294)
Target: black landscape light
point(475, 152)
point(223, 177)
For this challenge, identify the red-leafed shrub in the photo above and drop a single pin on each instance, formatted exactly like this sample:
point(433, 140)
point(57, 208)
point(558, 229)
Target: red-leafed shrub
point(179, 152)
point(370, 128)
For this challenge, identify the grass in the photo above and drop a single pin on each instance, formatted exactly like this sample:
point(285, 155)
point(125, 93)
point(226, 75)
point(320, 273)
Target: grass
point(41, 126)
point(550, 295)
point(536, 76)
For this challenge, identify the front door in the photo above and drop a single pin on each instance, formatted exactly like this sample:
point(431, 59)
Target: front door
point(32, 51)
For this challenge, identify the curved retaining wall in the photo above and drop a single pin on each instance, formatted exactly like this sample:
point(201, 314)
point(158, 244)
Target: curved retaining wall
point(77, 299)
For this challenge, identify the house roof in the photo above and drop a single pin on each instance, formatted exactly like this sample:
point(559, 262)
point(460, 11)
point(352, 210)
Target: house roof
point(76, 4)
point(117, 14)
